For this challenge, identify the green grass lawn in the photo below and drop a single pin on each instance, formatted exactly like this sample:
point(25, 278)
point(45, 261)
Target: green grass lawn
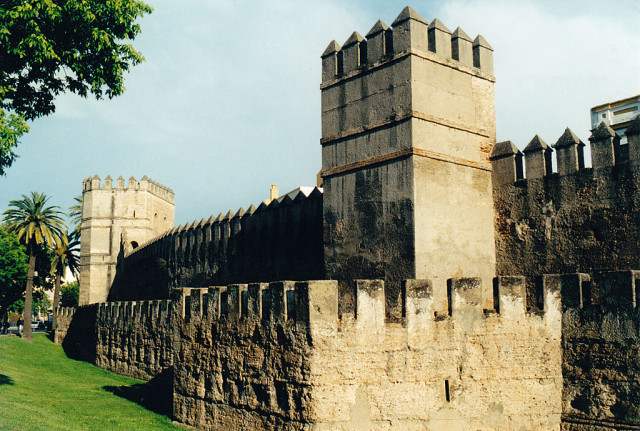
point(42, 389)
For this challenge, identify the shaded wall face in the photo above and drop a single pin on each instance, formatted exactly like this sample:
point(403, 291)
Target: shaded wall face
point(600, 345)
point(368, 229)
point(568, 223)
point(282, 241)
point(253, 370)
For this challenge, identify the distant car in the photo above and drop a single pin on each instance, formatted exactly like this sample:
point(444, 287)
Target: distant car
point(34, 325)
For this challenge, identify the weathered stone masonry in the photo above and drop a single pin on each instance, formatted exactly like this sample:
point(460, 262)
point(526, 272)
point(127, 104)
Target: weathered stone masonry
point(282, 240)
point(396, 334)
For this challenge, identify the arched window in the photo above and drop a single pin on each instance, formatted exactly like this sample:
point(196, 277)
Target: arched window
point(134, 244)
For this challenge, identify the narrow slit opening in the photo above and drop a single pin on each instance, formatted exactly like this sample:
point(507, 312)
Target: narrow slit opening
point(447, 394)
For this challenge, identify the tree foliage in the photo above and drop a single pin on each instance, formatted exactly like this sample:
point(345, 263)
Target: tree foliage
point(35, 224)
point(48, 47)
point(75, 215)
point(69, 294)
point(12, 126)
point(13, 270)
point(53, 46)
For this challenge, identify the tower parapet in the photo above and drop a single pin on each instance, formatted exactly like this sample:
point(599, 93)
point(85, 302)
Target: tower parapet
point(116, 219)
point(407, 116)
point(578, 219)
point(147, 184)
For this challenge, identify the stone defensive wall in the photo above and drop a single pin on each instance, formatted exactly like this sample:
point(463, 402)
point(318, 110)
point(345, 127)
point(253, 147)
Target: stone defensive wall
point(407, 117)
point(135, 339)
point(601, 348)
point(145, 184)
point(64, 318)
point(275, 241)
point(577, 219)
point(278, 355)
point(129, 338)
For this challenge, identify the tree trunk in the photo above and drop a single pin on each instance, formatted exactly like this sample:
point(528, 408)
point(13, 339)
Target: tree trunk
point(28, 298)
point(56, 302)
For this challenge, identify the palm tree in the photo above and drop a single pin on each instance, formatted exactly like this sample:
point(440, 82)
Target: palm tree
point(66, 257)
point(75, 214)
point(34, 224)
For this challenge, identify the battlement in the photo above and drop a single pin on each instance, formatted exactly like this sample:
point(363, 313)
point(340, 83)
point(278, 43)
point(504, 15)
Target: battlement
point(314, 302)
point(145, 184)
point(410, 35)
point(224, 225)
point(136, 311)
point(278, 240)
point(608, 291)
point(606, 152)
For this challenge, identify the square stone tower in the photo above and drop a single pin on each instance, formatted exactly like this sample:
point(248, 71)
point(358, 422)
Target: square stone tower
point(408, 121)
point(117, 220)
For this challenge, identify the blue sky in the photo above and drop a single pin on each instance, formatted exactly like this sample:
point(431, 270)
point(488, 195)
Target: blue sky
point(228, 101)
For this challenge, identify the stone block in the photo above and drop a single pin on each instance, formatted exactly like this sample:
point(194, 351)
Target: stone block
point(464, 296)
point(509, 296)
point(618, 290)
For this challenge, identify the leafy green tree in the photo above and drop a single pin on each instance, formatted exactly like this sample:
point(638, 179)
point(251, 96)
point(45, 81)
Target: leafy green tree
point(11, 128)
point(34, 224)
point(69, 294)
point(13, 271)
point(75, 214)
point(48, 47)
point(66, 256)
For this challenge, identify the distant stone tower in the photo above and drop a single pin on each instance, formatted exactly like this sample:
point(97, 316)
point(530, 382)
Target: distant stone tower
point(116, 219)
point(408, 121)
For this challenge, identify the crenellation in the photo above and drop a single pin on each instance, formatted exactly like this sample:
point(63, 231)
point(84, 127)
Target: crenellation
point(509, 296)
point(377, 47)
point(465, 297)
point(537, 157)
point(410, 32)
point(133, 183)
point(617, 290)
point(506, 164)
point(330, 61)
point(370, 304)
point(439, 39)
point(462, 47)
point(351, 53)
point(482, 55)
point(603, 147)
point(234, 303)
point(569, 153)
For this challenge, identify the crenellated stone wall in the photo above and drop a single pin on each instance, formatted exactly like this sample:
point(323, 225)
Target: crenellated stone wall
point(115, 220)
point(407, 116)
point(277, 356)
point(135, 338)
point(576, 220)
point(601, 350)
point(281, 240)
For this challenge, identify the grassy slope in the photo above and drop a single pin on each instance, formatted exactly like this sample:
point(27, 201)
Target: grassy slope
point(42, 389)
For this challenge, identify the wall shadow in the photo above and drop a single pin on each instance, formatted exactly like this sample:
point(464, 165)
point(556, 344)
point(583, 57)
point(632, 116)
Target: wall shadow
point(80, 341)
point(156, 395)
point(5, 380)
